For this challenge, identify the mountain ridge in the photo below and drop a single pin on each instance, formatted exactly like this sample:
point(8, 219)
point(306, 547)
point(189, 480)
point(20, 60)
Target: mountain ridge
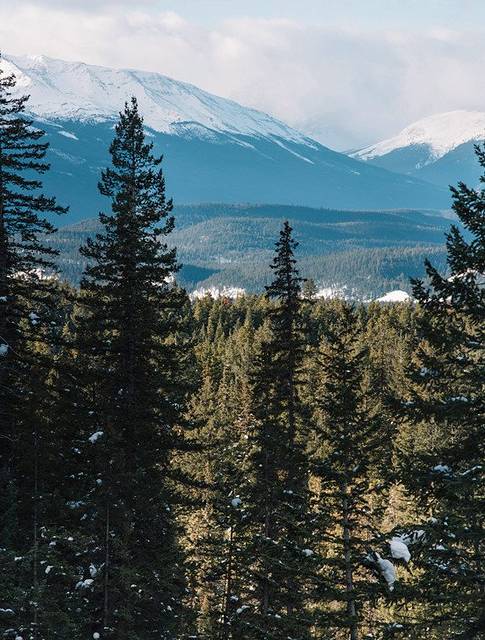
point(166, 103)
point(215, 150)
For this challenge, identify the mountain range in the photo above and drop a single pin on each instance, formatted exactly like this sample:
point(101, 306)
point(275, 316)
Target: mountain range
point(215, 149)
point(365, 220)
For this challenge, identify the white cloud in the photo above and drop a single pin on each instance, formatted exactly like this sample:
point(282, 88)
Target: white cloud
point(346, 86)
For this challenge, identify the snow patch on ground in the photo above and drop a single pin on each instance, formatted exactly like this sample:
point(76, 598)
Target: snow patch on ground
point(395, 296)
point(344, 292)
point(217, 292)
point(339, 291)
point(334, 291)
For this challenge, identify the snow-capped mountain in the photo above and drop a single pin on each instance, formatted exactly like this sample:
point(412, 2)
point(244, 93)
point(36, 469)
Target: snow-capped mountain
point(441, 133)
point(215, 149)
point(438, 148)
point(88, 93)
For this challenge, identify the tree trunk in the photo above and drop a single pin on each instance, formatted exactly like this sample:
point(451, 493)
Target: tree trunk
point(3, 233)
point(228, 590)
point(349, 579)
point(106, 572)
point(267, 532)
point(36, 531)
point(3, 273)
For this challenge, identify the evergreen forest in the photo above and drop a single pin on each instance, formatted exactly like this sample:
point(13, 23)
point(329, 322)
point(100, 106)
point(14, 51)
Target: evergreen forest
point(270, 467)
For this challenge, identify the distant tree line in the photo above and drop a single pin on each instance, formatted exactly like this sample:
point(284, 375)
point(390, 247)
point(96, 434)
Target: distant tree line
point(362, 273)
point(274, 467)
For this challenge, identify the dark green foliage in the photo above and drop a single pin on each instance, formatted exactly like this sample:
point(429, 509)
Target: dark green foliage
point(442, 461)
point(130, 372)
point(29, 332)
point(275, 528)
point(348, 451)
point(216, 464)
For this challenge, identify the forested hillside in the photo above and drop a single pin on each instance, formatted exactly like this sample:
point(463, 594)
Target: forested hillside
point(361, 254)
point(275, 467)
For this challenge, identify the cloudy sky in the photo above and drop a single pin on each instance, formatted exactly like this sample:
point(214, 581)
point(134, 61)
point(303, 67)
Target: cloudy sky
point(348, 72)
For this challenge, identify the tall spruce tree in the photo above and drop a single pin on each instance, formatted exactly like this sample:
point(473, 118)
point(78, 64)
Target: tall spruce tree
point(130, 362)
point(442, 445)
point(347, 452)
point(274, 497)
point(27, 333)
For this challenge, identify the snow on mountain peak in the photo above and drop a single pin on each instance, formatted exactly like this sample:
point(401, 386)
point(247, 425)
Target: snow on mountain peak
point(78, 91)
point(441, 133)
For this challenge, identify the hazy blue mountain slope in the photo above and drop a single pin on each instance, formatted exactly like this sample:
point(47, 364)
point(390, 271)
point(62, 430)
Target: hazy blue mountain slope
point(224, 171)
point(216, 150)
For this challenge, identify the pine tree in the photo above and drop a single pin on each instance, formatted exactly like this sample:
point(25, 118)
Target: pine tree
point(206, 463)
point(347, 452)
point(28, 333)
point(275, 497)
point(215, 463)
point(130, 362)
point(442, 444)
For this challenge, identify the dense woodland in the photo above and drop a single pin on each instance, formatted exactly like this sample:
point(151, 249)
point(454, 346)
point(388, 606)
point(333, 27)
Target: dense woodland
point(274, 467)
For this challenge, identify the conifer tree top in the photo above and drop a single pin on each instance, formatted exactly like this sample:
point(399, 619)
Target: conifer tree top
point(23, 208)
point(140, 213)
point(463, 288)
point(287, 282)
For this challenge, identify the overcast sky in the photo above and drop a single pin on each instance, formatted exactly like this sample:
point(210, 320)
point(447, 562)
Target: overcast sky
point(348, 72)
